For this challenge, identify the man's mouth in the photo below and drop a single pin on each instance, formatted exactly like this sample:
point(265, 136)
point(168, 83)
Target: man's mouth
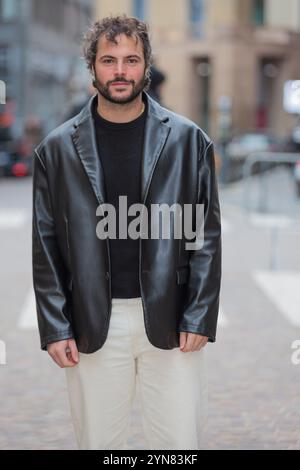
point(120, 83)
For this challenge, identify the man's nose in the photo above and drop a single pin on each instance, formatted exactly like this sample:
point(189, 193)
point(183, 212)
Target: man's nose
point(120, 68)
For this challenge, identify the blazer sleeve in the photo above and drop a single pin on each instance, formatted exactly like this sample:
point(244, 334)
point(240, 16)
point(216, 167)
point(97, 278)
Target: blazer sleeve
point(201, 308)
point(47, 265)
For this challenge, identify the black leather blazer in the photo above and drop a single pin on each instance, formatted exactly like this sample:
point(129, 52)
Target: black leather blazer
point(71, 265)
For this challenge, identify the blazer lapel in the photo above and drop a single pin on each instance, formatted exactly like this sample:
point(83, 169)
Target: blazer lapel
point(84, 139)
point(155, 136)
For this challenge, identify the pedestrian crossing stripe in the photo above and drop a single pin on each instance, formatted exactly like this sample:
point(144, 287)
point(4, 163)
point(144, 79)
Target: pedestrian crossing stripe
point(282, 288)
point(12, 218)
point(28, 317)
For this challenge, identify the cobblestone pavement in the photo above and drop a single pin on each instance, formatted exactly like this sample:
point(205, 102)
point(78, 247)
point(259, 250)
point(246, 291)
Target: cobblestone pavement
point(254, 399)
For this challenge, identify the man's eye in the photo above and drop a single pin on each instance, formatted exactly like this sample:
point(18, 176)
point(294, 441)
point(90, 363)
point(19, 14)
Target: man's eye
point(132, 61)
point(107, 61)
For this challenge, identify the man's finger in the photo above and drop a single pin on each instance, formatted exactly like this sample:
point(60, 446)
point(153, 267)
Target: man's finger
point(194, 342)
point(200, 345)
point(74, 350)
point(63, 358)
point(188, 343)
point(56, 359)
point(183, 335)
point(52, 354)
point(203, 342)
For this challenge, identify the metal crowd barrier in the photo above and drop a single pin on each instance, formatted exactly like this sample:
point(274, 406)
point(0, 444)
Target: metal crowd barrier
point(274, 222)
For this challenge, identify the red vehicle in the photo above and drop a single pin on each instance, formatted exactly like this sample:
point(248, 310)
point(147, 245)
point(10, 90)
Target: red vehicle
point(16, 155)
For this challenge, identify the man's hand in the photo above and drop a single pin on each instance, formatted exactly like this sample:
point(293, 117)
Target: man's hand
point(64, 353)
point(191, 341)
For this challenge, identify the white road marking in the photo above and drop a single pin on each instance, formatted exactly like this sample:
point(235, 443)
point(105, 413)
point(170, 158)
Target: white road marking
point(12, 218)
point(283, 289)
point(226, 226)
point(270, 220)
point(28, 317)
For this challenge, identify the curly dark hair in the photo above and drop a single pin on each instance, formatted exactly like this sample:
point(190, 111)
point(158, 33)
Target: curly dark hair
point(112, 26)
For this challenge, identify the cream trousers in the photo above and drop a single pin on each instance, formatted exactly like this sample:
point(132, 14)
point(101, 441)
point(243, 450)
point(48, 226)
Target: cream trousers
point(171, 383)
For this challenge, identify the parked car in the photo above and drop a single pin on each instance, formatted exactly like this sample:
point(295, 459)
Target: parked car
point(13, 163)
point(241, 146)
point(16, 155)
point(297, 177)
point(4, 160)
point(6, 150)
point(292, 145)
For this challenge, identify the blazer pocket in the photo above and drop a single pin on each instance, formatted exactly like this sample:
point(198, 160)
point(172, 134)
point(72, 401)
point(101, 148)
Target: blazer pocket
point(182, 275)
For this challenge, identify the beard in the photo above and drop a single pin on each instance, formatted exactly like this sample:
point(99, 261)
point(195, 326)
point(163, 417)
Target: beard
point(104, 89)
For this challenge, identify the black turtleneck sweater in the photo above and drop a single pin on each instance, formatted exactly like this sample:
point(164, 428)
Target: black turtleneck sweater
point(120, 150)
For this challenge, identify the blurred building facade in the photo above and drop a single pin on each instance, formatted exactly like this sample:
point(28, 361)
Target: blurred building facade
point(226, 61)
point(39, 51)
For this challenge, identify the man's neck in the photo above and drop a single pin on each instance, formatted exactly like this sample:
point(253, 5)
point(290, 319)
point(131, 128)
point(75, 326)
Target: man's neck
point(120, 113)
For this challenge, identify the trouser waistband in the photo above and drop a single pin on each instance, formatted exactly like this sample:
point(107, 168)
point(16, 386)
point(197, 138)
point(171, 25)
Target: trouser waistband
point(130, 301)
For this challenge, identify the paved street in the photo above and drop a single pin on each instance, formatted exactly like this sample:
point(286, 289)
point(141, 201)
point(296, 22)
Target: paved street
point(254, 399)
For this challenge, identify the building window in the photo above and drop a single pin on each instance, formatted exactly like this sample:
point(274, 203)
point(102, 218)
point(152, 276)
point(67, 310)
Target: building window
point(49, 14)
point(139, 9)
point(268, 81)
point(196, 10)
point(204, 77)
point(40, 11)
point(8, 9)
point(259, 12)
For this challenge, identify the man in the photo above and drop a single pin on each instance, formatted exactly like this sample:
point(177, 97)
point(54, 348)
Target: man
point(158, 79)
point(113, 310)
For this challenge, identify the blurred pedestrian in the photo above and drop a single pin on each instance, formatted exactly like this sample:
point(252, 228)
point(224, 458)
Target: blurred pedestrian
point(158, 78)
point(113, 310)
point(32, 135)
point(80, 103)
